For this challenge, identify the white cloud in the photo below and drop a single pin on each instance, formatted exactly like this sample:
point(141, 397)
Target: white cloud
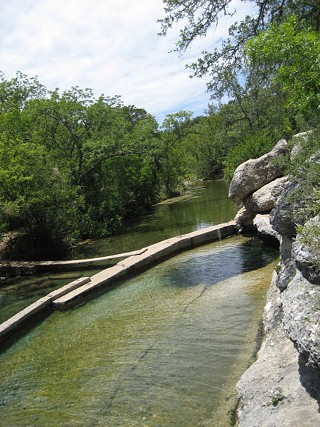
point(109, 46)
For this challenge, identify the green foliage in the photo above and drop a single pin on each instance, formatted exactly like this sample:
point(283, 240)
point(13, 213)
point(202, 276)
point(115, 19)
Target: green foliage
point(172, 154)
point(277, 397)
point(34, 193)
point(304, 168)
point(205, 142)
point(72, 165)
point(224, 64)
point(290, 54)
point(252, 146)
point(283, 97)
point(251, 125)
point(268, 67)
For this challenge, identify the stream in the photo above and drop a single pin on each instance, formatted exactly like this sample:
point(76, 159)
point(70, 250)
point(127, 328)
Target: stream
point(164, 348)
point(203, 205)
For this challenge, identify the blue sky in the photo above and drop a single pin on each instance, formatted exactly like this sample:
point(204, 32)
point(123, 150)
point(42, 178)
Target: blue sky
point(109, 46)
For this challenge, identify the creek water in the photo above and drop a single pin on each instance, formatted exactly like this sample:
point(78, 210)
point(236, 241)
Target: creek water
point(203, 205)
point(164, 348)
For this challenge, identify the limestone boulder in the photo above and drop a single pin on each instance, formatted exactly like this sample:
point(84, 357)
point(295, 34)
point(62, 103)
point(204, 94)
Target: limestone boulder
point(264, 199)
point(262, 224)
point(306, 254)
point(244, 219)
point(298, 140)
point(255, 173)
point(284, 217)
point(286, 269)
point(301, 318)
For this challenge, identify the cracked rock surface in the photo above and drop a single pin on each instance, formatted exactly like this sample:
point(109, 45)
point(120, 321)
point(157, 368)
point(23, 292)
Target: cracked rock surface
point(282, 387)
point(278, 389)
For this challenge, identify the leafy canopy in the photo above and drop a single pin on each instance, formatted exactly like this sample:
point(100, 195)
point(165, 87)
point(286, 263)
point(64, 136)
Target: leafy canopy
point(290, 53)
point(224, 63)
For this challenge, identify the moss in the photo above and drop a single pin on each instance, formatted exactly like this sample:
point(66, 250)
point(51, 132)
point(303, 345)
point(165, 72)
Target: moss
point(277, 268)
point(276, 398)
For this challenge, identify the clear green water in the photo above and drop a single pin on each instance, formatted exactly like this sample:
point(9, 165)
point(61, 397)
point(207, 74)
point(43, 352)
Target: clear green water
point(165, 348)
point(18, 293)
point(204, 205)
point(162, 349)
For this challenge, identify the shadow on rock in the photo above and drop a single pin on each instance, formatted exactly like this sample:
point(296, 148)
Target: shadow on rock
point(310, 380)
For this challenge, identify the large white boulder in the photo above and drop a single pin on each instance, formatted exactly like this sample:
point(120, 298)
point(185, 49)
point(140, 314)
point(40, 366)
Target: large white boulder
point(264, 199)
point(255, 173)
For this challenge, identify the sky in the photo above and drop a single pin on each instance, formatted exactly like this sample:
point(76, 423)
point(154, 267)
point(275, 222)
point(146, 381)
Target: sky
point(109, 46)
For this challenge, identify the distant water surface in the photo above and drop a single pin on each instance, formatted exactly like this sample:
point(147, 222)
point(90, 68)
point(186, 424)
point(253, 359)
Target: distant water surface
point(203, 205)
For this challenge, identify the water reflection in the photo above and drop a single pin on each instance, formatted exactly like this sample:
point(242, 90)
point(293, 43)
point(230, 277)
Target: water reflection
point(151, 352)
point(206, 204)
point(17, 293)
point(222, 265)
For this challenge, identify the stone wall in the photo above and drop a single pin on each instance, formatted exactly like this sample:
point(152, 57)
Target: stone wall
point(282, 388)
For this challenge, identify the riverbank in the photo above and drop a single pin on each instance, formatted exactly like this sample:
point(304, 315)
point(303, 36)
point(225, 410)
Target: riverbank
point(278, 389)
point(281, 388)
point(205, 204)
point(18, 247)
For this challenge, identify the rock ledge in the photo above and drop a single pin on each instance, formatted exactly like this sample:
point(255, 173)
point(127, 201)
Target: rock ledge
point(282, 387)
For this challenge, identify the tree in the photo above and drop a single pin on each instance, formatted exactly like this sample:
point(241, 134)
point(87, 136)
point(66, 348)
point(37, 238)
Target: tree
point(172, 157)
point(35, 194)
point(250, 128)
point(289, 53)
point(35, 191)
point(72, 165)
point(260, 109)
point(120, 161)
point(227, 62)
point(205, 143)
point(100, 142)
point(15, 92)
